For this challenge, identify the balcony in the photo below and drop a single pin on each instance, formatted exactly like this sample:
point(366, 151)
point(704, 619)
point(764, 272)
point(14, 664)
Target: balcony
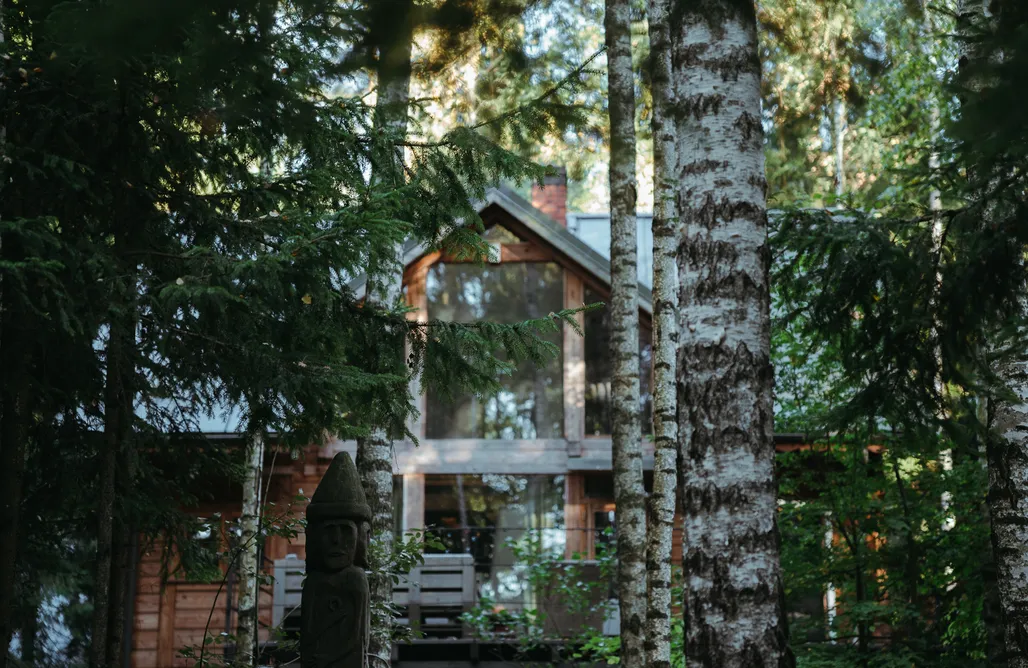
point(490, 594)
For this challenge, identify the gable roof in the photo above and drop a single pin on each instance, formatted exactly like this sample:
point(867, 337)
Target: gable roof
point(549, 231)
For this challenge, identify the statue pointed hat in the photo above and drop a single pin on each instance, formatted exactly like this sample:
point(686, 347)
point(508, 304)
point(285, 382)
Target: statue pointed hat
point(340, 493)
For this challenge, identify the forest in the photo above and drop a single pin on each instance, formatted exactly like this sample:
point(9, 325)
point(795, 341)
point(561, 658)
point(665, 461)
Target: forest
point(678, 332)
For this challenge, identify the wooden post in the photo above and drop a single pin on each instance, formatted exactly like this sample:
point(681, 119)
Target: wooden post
point(575, 516)
point(574, 368)
point(166, 626)
point(413, 501)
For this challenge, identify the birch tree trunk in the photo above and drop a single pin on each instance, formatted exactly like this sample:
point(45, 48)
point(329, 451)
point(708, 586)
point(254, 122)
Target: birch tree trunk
point(733, 612)
point(1008, 506)
point(249, 557)
point(629, 498)
point(375, 452)
point(661, 511)
point(839, 127)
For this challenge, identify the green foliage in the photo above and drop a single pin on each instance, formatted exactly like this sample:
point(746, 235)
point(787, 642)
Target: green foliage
point(577, 588)
point(178, 176)
point(905, 557)
point(906, 316)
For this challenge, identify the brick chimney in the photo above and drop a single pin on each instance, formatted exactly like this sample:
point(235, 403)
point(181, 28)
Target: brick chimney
point(552, 197)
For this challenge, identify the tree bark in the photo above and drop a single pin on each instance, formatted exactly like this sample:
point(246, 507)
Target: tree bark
point(1008, 506)
point(12, 474)
point(13, 409)
point(375, 465)
point(375, 453)
point(118, 405)
point(733, 611)
point(29, 632)
point(839, 139)
point(121, 558)
point(626, 433)
point(123, 561)
point(661, 510)
point(249, 556)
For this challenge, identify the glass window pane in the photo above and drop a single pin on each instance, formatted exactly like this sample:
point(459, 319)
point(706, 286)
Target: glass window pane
point(530, 403)
point(599, 370)
point(486, 515)
point(500, 235)
point(397, 505)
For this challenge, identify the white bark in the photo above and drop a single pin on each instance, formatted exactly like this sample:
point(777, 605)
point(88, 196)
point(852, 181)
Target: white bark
point(249, 557)
point(1008, 506)
point(375, 453)
point(732, 574)
point(630, 511)
point(839, 127)
point(661, 511)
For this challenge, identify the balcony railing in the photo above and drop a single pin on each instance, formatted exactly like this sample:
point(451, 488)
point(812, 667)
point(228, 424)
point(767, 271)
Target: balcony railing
point(513, 569)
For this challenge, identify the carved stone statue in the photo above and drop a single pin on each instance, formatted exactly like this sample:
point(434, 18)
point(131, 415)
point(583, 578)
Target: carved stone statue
point(335, 608)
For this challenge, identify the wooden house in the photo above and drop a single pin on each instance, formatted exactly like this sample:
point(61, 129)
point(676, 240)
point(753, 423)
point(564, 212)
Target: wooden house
point(535, 457)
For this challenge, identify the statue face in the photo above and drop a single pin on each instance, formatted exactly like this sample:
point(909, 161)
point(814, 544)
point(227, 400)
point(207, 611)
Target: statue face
point(336, 541)
point(363, 544)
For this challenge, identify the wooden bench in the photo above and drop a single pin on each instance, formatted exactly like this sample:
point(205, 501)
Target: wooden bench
point(432, 598)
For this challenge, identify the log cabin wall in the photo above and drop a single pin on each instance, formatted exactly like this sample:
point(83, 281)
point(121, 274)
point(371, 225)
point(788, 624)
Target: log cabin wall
point(171, 614)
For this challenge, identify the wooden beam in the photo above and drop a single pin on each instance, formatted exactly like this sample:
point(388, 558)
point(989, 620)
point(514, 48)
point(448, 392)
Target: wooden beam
point(524, 252)
point(166, 626)
point(420, 266)
point(485, 455)
point(413, 501)
point(574, 367)
point(575, 517)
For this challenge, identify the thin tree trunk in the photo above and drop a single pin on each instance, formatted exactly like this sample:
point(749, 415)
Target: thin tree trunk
point(104, 533)
point(661, 511)
point(12, 473)
point(13, 451)
point(1008, 506)
point(734, 615)
point(629, 497)
point(992, 603)
point(13, 447)
point(249, 556)
point(839, 141)
point(29, 633)
point(375, 453)
point(118, 399)
point(121, 558)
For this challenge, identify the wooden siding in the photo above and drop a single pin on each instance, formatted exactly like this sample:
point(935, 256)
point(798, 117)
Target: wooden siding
point(574, 368)
point(172, 614)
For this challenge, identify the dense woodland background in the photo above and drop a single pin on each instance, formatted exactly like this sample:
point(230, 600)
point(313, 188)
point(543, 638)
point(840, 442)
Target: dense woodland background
point(186, 188)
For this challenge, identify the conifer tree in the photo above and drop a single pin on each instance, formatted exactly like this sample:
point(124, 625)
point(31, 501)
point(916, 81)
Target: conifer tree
point(204, 281)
